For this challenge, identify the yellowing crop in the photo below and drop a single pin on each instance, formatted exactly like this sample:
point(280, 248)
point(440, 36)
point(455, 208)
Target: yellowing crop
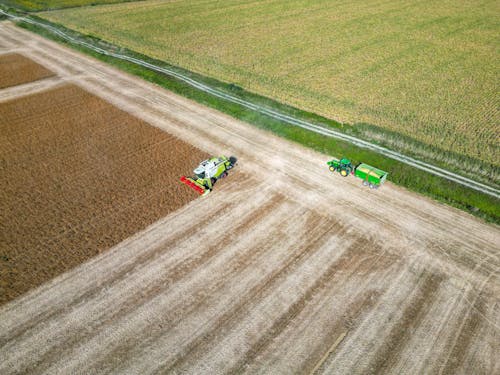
point(426, 69)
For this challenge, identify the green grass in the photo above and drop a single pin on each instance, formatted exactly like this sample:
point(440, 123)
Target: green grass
point(425, 70)
point(39, 5)
point(479, 204)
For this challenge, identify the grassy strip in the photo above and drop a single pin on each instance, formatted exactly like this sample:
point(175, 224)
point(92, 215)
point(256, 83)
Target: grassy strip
point(478, 204)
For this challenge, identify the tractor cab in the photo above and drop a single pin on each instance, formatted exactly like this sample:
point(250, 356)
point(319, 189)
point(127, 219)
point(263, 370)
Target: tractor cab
point(345, 163)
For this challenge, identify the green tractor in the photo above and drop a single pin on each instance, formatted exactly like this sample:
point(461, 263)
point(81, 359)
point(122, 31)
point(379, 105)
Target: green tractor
point(208, 172)
point(343, 166)
point(370, 176)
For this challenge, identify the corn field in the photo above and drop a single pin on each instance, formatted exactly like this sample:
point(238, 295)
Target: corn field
point(427, 70)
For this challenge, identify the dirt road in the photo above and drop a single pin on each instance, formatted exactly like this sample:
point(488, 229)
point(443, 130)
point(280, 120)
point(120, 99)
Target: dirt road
point(286, 269)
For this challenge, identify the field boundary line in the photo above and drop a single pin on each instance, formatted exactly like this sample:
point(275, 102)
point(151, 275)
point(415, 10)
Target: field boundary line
point(426, 167)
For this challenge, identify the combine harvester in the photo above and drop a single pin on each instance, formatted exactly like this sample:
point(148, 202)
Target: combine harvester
point(371, 176)
point(208, 172)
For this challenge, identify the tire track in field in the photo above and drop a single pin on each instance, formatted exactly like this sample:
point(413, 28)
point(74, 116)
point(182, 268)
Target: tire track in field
point(469, 323)
point(353, 313)
point(336, 312)
point(365, 295)
point(307, 247)
point(417, 307)
point(472, 322)
point(202, 295)
point(351, 260)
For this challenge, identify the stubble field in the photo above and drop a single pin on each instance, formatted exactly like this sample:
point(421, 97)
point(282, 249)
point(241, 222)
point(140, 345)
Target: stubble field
point(426, 70)
point(284, 268)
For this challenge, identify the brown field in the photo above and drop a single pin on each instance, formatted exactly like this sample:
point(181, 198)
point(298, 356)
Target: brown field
point(16, 69)
point(78, 176)
point(283, 269)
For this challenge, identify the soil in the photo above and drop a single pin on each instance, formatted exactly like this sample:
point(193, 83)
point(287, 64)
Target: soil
point(16, 69)
point(77, 177)
point(284, 268)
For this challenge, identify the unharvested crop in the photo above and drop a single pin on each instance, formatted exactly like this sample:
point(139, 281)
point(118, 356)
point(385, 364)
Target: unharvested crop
point(36, 5)
point(78, 176)
point(424, 69)
point(16, 69)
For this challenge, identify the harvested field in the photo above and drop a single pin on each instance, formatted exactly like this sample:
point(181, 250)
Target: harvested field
point(16, 69)
point(77, 177)
point(283, 269)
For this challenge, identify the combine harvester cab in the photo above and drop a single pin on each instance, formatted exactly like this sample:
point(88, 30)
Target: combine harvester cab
point(208, 172)
point(371, 176)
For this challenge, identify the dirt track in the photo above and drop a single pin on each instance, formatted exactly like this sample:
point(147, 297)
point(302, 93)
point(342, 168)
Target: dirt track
point(287, 269)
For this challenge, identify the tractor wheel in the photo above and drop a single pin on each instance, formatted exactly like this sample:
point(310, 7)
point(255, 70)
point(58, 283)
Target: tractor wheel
point(332, 169)
point(224, 174)
point(344, 173)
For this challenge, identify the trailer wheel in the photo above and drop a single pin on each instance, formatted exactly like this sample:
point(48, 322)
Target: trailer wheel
point(365, 183)
point(371, 186)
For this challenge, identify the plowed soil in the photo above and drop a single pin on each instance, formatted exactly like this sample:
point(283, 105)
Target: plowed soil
point(16, 69)
point(77, 177)
point(284, 268)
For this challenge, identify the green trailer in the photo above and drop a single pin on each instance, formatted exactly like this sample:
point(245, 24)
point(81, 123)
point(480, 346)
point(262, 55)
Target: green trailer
point(371, 176)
